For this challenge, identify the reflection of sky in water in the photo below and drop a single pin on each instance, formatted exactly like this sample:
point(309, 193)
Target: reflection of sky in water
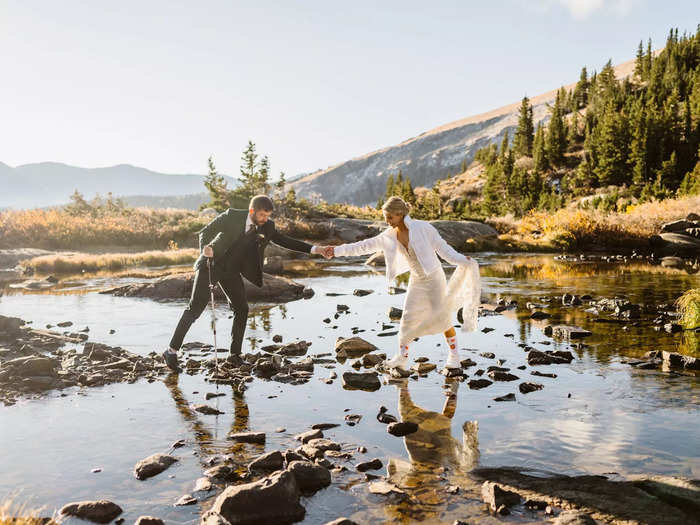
point(617, 419)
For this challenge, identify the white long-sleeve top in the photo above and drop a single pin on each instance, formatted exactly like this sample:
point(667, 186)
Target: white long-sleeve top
point(423, 236)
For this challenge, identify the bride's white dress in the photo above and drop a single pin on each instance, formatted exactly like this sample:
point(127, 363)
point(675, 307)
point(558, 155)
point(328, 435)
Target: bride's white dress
point(431, 301)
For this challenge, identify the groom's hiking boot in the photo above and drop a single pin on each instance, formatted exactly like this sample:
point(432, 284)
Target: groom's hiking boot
point(170, 358)
point(234, 359)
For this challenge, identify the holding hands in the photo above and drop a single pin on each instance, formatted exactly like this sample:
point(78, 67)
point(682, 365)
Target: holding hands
point(208, 251)
point(327, 251)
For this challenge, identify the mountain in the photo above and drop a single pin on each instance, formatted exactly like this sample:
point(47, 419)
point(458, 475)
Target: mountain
point(52, 183)
point(424, 159)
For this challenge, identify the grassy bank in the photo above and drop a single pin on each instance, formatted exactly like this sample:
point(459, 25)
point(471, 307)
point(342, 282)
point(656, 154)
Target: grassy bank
point(581, 229)
point(64, 229)
point(81, 262)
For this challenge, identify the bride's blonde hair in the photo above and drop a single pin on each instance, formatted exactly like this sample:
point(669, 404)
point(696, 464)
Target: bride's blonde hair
point(396, 206)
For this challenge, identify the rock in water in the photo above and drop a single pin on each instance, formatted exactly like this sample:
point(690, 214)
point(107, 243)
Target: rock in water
point(528, 387)
point(402, 428)
point(309, 477)
point(375, 464)
point(361, 381)
point(354, 346)
point(151, 520)
point(247, 437)
point(101, 511)
point(267, 462)
point(206, 409)
point(273, 499)
point(494, 496)
point(153, 465)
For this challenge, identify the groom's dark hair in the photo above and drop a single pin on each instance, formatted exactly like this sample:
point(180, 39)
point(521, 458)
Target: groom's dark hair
point(261, 202)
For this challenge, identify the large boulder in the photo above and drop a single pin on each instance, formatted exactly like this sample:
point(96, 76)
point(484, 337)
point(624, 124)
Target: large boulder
point(679, 244)
point(456, 233)
point(309, 476)
point(179, 286)
point(353, 347)
point(101, 511)
point(153, 465)
point(273, 499)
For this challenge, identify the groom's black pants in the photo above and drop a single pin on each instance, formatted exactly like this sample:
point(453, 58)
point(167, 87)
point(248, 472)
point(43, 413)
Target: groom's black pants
point(232, 286)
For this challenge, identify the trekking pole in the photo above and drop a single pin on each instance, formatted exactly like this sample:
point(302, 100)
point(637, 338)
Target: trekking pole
point(213, 316)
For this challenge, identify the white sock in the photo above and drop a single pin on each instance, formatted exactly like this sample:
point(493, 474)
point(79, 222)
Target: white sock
point(403, 350)
point(452, 343)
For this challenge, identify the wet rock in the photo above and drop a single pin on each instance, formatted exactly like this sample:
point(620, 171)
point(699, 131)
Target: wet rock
point(247, 437)
point(384, 488)
point(543, 374)
point(342, 521)
point(64, 324)
point(424, 368)
point(324, 444)
point(267, 462)
point(574, 517)
point(402, 428)
point(539, 315)
point(202, 485)
point(570, 332)
point(298, 348)
point(324, 426)
point(495, 496)
point(151, 520)
point(488, 355)
point(476, 384)
point(222, 473)
point(153, 465)
point(673, 328)
point(309, 452)
point(526, 387)
point(498, 375)
point(31, 366)
point(375, 464)
point(676, 360)
point(361, 380)
point(273, 499)
point(361, 293)
point(354, 346)
point(276, 338)
point(213, 518)
point(100, 511)
point(507, 397)
point(535, 357)
point(309, 476)
point(395, 313)
point(370, 360)
point(305, 437)
point(207, 410)
point(185, 500)
point(179, 286)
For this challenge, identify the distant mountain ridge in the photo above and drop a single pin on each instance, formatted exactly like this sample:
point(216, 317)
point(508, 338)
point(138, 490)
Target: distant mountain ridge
point(52, 183)
point(427, 157)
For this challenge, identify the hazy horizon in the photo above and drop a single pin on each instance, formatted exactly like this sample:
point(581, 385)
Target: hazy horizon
point(164, 86)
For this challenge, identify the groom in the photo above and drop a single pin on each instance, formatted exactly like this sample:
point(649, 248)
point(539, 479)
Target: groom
point(234, 243)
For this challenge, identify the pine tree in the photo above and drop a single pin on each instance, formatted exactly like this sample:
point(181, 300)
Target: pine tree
point(612, 147)
point(556, 136)
point(539, 152)
point(639, 62)
point(524, 135)
point(216, 185)
point(389, 187)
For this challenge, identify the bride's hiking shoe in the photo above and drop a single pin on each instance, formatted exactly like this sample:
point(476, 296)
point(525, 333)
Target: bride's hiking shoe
point(398, 361)
point(170, 359)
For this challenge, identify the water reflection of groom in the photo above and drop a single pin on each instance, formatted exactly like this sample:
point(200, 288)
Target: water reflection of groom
point(235, 241)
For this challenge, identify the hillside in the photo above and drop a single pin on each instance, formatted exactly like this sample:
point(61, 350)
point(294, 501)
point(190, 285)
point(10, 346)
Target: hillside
point(52, 183)
point(428, 157)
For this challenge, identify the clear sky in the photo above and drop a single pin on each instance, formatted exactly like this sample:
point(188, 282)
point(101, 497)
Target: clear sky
point(165, 84)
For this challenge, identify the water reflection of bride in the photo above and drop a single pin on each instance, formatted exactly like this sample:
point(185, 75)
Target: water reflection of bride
point(437, 459)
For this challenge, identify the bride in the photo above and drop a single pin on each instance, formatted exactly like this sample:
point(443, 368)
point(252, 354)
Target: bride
point(413, 245)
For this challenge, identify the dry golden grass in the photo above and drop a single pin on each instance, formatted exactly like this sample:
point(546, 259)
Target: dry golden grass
point(571, 228)
point(79, 262)
point(12, 513)
point(58, 229)
point(689, 306)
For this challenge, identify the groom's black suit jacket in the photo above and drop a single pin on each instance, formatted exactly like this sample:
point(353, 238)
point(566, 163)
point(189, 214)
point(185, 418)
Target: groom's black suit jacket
point(237, 251)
